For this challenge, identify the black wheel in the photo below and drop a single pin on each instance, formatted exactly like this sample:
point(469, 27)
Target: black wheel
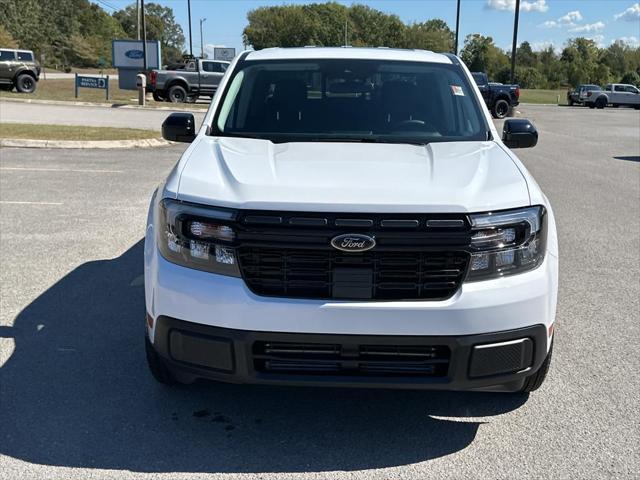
point(158, 369)
point(500, 108)
point(26, 83)
point(535, 381)
point(157, 97)
point(601, 103)
point(177, 94)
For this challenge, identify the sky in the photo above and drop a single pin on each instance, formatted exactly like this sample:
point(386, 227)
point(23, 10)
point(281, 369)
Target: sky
point(542, 22)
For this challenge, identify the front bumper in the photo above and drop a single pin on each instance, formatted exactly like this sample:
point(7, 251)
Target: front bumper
point(492, 361)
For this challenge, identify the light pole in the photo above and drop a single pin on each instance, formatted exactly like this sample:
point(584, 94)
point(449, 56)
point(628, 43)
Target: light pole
point(515, 43)
point(190, 39)
point(455, 50)
point(202, 20)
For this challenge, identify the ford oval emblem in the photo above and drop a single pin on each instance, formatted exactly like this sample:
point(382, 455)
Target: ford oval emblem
point(135, 54)
point(353, 242)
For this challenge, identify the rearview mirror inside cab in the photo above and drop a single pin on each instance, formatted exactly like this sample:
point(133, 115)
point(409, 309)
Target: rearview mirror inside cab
point(519, 133)
point(179, 127)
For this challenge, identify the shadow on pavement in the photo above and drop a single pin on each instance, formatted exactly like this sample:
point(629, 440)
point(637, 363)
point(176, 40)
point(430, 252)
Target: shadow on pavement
point(76, 393)
point(629, 158)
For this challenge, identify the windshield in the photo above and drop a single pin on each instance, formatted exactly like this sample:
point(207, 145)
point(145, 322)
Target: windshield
point(350, 100)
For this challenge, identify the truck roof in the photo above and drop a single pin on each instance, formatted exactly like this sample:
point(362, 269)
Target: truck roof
point(354, 53)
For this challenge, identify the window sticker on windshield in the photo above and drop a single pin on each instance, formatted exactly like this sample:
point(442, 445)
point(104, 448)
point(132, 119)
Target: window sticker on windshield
point(457, 90)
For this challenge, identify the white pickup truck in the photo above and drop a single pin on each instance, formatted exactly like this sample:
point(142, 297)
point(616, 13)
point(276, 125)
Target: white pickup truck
point(614, 95)
point(350, 217)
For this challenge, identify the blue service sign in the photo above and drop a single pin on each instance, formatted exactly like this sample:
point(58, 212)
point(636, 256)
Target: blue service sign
point(135, 54)
point(91, 82)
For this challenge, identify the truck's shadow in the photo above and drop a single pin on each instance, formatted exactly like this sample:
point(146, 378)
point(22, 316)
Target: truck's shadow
point(76, 393)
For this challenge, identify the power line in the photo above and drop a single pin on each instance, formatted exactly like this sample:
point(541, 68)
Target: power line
point(108, 5)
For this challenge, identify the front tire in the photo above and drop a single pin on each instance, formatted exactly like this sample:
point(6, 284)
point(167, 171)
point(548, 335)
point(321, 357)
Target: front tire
point(26, 83)
point(601, 103)
point(500, 108)
point(158, 370)
point(536, 380)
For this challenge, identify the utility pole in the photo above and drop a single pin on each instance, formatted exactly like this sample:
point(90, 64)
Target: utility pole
point(138, 17)
point(202, 20)
point(455, 50)
point(515, 43)
point(346, 33)
point(144, 36)
point(190, 38)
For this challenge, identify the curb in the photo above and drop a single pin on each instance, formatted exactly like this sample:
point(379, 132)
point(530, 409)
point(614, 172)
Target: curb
point(79, 144)
point(101, 105)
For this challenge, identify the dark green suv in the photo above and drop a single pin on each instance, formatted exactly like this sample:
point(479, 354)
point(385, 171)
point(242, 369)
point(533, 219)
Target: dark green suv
point(18, 69)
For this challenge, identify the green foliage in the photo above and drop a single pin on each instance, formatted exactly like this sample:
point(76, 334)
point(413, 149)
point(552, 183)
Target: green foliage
point(69, 32)
point(482, 55)
point(6, 39)
point(160, 25)
point(79, 33)
point(333, 24)
point(632, 78)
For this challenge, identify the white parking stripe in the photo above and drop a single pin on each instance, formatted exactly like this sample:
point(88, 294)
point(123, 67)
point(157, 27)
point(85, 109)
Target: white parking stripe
point(7, 202)
point(79, 170)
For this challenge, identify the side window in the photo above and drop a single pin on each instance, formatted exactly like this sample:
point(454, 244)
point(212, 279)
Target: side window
point(620, 88)
point(6, 55)
point(607, 88)
point(215, 67)
point(190, 66)
point(25, 56)
point(632, 89)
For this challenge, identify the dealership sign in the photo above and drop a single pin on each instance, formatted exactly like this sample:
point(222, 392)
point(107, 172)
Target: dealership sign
point(223, 53)
point(129, 54)
point(101, 83)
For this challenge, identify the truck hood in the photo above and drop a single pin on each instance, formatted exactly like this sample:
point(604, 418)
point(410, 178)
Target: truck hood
point(351, 177)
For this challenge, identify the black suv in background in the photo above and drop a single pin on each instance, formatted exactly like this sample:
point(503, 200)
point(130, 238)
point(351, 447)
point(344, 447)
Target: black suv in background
point(499, 98)
point(18, 69)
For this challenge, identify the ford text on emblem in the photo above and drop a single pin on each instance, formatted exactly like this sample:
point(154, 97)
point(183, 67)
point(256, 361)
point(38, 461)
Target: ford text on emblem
point(353, 242)
point(134, 54)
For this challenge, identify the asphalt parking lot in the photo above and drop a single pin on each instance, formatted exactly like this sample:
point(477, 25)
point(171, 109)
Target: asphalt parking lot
point(76, 400)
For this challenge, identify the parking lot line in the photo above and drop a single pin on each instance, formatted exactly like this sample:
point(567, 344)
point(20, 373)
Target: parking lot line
point(8, 202)
point(77, 170)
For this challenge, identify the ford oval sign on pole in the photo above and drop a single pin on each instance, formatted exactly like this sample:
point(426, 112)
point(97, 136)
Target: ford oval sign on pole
point(128, 58)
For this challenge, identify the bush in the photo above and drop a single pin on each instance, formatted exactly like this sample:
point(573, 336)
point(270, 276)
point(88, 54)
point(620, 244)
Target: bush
point(631, 78)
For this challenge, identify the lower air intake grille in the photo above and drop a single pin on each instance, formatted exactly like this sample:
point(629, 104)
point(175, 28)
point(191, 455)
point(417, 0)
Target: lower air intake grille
point(350, 360)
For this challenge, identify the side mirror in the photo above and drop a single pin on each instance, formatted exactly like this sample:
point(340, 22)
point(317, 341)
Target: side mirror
point(519, 133)
point(179, 127)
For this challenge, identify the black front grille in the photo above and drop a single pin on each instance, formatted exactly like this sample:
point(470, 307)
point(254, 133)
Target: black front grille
point(351, 360)
point(416, 257)
point(371, 275)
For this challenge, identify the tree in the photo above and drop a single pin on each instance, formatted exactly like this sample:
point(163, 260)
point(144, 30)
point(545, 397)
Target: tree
point(482, 55)
point(434, 35)
point(6, 40)
point(632, 78)
point(75, 31)
point(327, 24)
point(161, 25)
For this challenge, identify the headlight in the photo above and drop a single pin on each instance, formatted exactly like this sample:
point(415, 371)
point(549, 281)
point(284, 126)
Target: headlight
point(508, 242)
point(197, 237)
